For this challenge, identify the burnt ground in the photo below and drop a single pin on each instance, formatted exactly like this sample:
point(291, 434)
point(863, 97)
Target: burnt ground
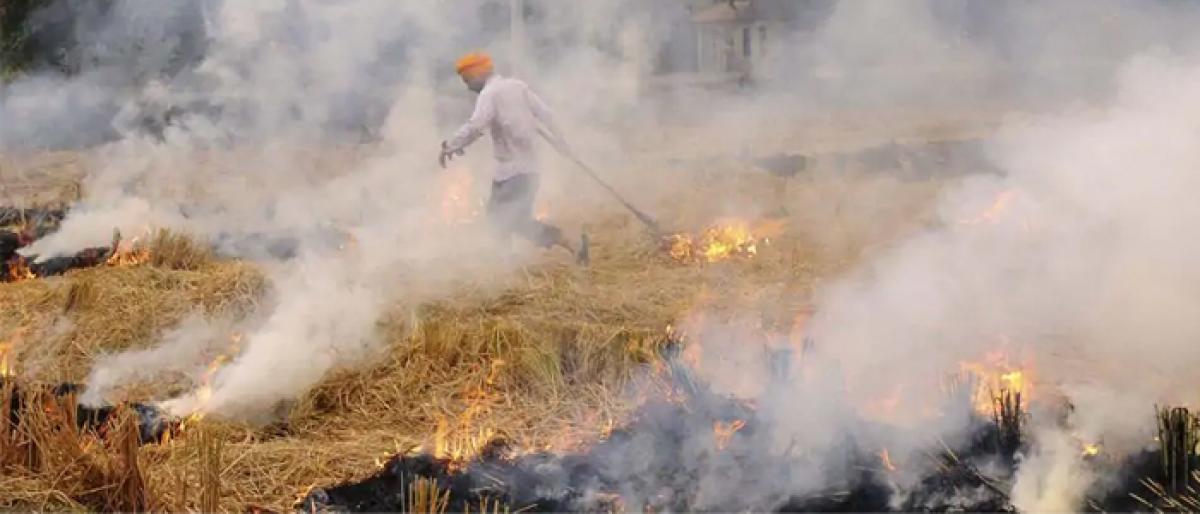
point(665, 460)
point(152, 423)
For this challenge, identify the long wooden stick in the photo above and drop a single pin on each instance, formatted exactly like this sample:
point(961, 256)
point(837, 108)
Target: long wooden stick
point(641, 216)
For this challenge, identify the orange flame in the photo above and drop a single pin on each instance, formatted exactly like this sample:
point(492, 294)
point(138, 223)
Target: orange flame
point(1091, 450)
point(993, 377)
point(462, 439)
point(884, 406)
point(18, 269)
point(607, 430)
point(205, 391)
point(129, 253)
point(715, 244)
point(993, 212)
point(461, 446)
point(5, 348)
point(458, 205)
point(723, 432)
point(886, 459)
point(722, 241)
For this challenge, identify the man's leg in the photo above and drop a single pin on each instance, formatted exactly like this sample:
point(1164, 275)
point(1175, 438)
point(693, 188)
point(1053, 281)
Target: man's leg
point(500, 213)
point(541, 234)
point(524, 192)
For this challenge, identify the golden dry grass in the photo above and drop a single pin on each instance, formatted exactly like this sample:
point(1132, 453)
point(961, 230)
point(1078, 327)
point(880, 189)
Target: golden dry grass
point(61, 467)
point(41, 178)
point(544, 363)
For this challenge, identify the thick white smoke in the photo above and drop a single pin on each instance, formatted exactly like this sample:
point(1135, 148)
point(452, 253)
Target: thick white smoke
point(1079, 262)
point(1079, 256)
point(233, 166)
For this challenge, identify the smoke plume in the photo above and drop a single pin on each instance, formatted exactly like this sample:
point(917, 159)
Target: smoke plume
point(1075, 261)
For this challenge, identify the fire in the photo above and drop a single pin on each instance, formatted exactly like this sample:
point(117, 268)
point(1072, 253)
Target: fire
point(1091, 450)
point(5, 348)
point(458, 448)
point(458, 204)
point(1012, 381)
point(886, 460)
point(723, 432)
point(129, 253)
point(205, 392)
point(18, 269)
point(462, 438)
point(993, 378)
point(993, 212)
point(717, 243)
point(884, 406)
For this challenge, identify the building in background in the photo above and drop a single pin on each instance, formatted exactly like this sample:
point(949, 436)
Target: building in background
point(735, 38)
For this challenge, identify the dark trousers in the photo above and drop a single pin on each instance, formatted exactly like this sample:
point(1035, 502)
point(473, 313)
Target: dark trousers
point(510, 211)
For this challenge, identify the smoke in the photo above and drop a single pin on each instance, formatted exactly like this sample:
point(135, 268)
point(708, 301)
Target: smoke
point(1050, 480)
point(1072, 263)
point(219, 149)
point(1079, 265)
point(1083, 267)
point(182, 349)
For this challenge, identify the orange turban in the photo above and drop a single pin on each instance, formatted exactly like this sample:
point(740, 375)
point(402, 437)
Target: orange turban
point(474, 64)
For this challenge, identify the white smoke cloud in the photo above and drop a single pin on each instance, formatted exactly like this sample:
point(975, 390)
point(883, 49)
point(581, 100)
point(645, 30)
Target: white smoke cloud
point(1085, 268)
point(1051, 479)
point(278, 72)
point(182, 350)
point(1073, 261)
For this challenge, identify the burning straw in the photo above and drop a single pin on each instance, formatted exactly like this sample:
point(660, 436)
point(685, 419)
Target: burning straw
point(570, 339)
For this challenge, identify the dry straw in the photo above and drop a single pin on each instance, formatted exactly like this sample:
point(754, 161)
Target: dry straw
point(569, 339)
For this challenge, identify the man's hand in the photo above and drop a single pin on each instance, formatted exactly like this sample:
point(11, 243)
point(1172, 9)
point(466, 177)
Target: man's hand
point(446, 154)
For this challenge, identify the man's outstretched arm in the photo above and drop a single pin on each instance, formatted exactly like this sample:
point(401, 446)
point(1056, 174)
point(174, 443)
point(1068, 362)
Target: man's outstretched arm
point(485, 112)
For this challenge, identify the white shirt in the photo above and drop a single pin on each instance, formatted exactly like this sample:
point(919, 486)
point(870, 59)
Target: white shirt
point(508, 109)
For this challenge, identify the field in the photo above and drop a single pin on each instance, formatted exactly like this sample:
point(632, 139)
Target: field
point(546, 362)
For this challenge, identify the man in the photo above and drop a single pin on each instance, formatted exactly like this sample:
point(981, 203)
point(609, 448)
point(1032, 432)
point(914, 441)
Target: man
point(514, 115)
